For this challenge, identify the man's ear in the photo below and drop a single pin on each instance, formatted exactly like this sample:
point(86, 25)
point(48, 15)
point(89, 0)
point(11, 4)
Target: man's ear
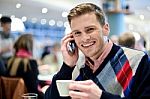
point(106, 29)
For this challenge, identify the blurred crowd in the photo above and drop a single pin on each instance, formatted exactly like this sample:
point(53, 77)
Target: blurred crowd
point(17, 59)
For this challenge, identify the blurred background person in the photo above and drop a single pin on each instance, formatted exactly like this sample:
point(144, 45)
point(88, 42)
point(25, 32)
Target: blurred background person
point(140, 43)
point(52, 58)
point(114, 38)
point(6, 39)
point(127, 39)
point(21, 64)
point(46, 51)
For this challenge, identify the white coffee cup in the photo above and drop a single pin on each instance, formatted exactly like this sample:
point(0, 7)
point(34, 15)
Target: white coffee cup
point(62, 86)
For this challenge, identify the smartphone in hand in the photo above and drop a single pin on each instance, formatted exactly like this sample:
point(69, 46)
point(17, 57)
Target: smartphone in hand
point(72, 47)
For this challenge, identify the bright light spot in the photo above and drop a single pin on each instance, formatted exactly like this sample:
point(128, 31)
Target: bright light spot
point(0, 15)
point(12, 16)
point(44, 10)
point(66, 24)
point(137, 36)
point(34, 20)
point(18, 5)
point(43, 21)
point(17, 25)
point(24, 18)
point(59, 23)
point(52, 22)
point(142, 17)
point(64, 14)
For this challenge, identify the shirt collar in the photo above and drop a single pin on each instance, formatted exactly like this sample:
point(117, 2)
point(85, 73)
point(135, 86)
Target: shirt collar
point(95, 65)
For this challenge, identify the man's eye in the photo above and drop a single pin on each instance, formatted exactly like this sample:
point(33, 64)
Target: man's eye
point(90, 30)
point(77, 33)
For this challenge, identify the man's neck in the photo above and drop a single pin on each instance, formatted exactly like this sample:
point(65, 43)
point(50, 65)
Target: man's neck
point(97, 55)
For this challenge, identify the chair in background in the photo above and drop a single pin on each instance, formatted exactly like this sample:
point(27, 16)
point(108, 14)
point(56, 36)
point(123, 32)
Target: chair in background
point(12, 88)
point(0, 90)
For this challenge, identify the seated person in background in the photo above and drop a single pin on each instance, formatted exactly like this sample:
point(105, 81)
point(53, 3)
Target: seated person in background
point(127, 40)
point(22, 64)
point(110, 71)
point(52, 59)
point(46, 51)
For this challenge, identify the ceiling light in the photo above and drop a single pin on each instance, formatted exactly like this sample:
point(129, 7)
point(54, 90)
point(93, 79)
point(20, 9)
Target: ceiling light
point(24, 18)
point(18, 5)
point(43, 21)
point(17, 25)
point(44, 10)
point(66, 24)
point(12, 16)
point(64, 14)
point(59, 23)
point(52, 22)
point(34, 20)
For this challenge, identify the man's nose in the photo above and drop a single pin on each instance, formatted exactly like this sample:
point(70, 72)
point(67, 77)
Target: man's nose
point(86, 37)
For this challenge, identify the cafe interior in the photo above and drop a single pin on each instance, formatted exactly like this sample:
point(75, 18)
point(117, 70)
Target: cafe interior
point(46, 21)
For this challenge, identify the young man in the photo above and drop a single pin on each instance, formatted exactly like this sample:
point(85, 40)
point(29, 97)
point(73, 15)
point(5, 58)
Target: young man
point(110, 71)
point(6, 38)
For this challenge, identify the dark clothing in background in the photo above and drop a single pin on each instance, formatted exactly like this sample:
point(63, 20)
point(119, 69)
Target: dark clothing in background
point(29, 76)
point(2, 68)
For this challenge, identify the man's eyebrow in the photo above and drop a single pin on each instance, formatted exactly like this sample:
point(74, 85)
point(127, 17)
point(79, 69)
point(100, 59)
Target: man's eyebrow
point(90, 26)
point(74, 31)
point(84, 28)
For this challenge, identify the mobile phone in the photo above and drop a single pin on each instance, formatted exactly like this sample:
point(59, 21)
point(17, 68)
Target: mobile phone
point(72, 47)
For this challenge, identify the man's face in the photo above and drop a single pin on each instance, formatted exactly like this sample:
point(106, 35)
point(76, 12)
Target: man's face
point(88, 34)
point(6, 27)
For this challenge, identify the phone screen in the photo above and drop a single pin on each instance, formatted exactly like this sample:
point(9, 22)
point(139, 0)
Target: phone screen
point(72, 46)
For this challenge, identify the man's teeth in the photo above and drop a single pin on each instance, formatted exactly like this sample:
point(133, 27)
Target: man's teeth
point(87, 45)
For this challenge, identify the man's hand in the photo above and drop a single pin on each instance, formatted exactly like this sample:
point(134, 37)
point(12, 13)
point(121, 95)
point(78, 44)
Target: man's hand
point(68, 58)
point(84, 90)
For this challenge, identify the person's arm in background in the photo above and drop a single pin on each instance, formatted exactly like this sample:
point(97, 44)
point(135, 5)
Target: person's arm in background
point(6, 45)
point(4, 50)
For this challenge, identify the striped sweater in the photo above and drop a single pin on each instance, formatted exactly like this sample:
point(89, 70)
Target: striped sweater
point(124, 73)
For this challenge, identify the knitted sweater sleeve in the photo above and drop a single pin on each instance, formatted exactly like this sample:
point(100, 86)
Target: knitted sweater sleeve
point(65, 73)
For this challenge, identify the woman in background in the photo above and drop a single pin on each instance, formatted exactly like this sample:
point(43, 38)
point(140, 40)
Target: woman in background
point(22, 64)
